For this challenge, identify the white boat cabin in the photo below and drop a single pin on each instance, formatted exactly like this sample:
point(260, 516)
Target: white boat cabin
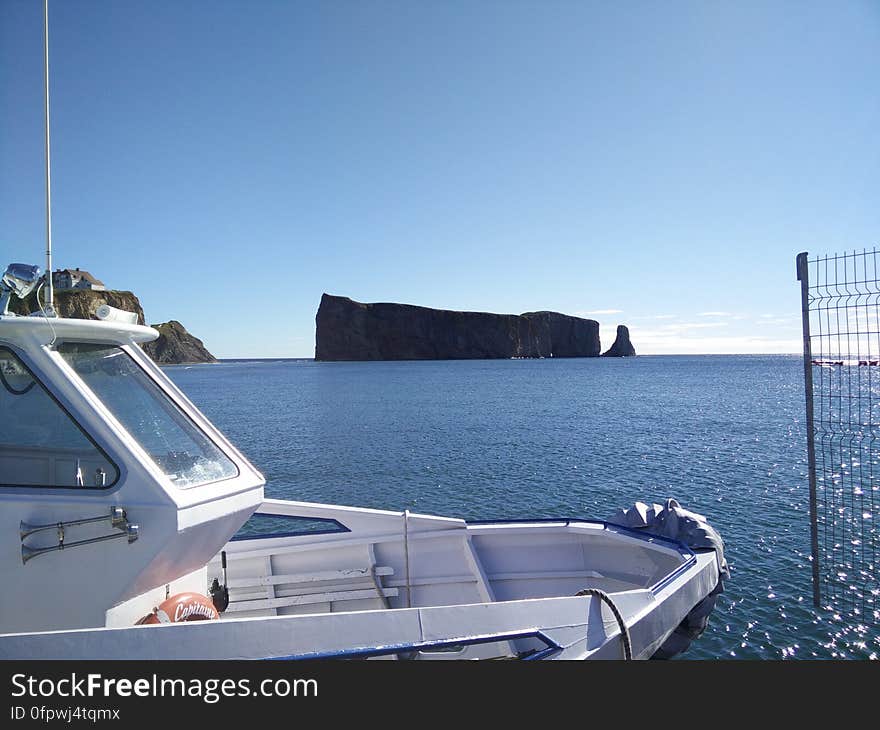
point(90, 423)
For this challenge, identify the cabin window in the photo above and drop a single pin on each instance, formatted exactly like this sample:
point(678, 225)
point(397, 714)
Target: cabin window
point(40, 444)
point(186, 455)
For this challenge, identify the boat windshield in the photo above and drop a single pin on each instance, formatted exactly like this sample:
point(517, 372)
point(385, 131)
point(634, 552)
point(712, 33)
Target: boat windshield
point(40, 444)
point(186, 455)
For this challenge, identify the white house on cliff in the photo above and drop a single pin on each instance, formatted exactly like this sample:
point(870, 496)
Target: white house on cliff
point(76, 279)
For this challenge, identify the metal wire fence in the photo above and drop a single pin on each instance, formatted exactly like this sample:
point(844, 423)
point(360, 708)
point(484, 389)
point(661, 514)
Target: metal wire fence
point(841, 326)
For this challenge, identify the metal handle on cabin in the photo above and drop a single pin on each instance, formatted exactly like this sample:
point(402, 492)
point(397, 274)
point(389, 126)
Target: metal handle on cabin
point(116, 517)
point(130, 531)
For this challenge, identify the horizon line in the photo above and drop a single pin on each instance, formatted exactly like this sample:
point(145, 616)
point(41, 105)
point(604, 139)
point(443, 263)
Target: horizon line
point(457, 359)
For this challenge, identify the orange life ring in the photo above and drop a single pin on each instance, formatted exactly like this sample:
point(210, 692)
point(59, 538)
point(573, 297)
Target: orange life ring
point(181, 607)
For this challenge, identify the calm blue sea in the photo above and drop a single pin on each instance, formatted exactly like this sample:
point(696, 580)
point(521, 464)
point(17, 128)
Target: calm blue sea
point(484, 439)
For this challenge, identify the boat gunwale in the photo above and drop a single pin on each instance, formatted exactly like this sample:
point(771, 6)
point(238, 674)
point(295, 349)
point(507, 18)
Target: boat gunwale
point(552, 647)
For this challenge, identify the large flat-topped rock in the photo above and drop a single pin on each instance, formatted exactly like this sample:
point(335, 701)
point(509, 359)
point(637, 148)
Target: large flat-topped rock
point(350, 330)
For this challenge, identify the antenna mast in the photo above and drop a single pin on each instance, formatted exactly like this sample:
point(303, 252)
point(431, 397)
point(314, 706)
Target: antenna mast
point(50, 294)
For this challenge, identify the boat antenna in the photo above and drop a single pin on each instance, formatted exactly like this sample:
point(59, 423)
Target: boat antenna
point(49, 308)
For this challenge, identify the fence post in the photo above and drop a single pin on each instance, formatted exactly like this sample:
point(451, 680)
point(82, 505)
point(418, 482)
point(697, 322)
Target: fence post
point(804, 279)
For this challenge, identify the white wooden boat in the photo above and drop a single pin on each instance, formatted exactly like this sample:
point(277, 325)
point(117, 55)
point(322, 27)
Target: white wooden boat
point(122, 502)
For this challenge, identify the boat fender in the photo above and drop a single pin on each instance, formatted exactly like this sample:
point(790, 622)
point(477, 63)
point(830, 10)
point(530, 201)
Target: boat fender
point(181, 607)
point(673, 521)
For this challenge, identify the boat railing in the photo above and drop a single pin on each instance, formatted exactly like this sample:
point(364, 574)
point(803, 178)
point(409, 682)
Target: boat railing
point(551, 647)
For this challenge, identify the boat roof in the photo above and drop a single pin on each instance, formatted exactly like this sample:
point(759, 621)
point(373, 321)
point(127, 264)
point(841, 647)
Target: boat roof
point(45, 330)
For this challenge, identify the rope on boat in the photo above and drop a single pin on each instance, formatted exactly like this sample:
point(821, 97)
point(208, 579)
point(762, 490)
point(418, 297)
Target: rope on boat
point(15, 391)
point(624, 631)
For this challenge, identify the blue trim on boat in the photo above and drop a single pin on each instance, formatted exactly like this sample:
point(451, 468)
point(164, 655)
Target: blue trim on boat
point(363, 653)
point(690, 558)
point(339, 528)
point(683, 568)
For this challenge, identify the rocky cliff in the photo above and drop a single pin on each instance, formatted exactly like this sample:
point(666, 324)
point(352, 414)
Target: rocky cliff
point(350, 330)
point(622, 347)
point(174, 346)
point(82, 303)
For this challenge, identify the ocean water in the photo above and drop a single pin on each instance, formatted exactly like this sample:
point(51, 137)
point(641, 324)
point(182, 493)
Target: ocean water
point(724, 435)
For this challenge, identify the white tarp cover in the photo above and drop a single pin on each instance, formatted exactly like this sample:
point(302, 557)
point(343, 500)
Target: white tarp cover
point(675, 522)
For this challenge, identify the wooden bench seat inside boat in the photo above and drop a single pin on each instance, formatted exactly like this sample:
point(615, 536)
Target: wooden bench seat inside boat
point(272, 584)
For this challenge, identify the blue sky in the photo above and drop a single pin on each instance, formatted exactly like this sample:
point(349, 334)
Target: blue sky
point(653, 164)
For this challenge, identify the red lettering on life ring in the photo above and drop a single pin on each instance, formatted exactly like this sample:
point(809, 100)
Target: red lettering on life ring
point(182, 607)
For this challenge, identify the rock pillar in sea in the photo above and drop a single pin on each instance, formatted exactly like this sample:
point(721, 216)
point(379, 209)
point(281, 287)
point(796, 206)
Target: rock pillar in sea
point(622, 347)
